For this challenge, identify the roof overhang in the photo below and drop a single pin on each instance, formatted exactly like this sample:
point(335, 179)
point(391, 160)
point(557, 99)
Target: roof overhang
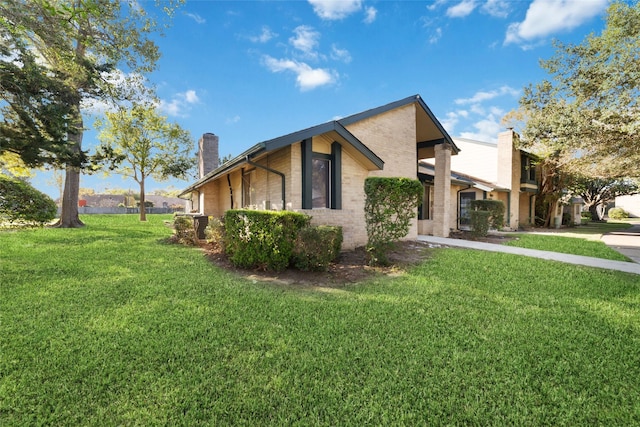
point(333, 131)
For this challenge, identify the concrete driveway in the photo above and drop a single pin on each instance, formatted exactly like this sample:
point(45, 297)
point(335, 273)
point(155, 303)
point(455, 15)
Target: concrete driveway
point(627, 242)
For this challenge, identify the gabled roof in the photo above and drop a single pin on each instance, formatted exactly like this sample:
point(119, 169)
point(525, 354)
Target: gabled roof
point(333, 128)
point(429, 129)
point(427, 125)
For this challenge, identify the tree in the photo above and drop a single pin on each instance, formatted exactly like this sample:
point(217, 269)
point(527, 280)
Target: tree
point(587, 116)
point(589, 109)
point(150, 145)
point(598, 192)
point(79, 41)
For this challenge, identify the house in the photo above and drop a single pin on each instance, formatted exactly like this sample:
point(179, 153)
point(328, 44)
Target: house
point(321, 170)
point(485, 170)
point(630, 203)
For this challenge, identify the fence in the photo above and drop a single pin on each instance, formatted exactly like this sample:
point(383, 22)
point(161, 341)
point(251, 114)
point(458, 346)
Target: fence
point(88, 210)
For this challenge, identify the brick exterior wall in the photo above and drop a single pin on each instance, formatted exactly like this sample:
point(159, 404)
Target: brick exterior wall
point(391, 135)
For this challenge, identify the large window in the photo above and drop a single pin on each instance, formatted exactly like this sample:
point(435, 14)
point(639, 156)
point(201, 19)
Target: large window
point(465, 207)
point(321, 182)
point(321, 177)
point(425, 208)
point(247, 189)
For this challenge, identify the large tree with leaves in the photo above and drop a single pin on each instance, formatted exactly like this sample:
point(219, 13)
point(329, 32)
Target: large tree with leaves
point(586, 116)
point(80, 41)
point(151, 146)
point(598, 192)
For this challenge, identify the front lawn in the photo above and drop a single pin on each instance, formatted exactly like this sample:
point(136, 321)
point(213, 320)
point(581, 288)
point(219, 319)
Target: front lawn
point(575, 245)
point(109, 325)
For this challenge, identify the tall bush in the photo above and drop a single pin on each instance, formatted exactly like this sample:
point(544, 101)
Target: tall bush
point(486, 214)
point(262, 239)
point(20, 202)
point(390, 205)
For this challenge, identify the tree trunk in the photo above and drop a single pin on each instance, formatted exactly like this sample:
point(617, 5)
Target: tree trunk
point(143, 208)
point(593, 210)
point(69, 217)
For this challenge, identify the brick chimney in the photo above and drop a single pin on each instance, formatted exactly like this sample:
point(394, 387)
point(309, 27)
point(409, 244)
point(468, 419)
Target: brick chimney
point(207, 154)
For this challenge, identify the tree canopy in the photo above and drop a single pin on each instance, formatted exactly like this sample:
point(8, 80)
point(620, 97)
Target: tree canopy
point(75, 44)
point(149, 144)
point(588, 113)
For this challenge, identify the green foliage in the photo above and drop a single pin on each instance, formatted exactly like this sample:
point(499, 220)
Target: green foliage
point(185, 232)
point(590, 100)
point(316, 247)
point(150, 145)
point(479, 222)
point(618, 213)
point(262, 239)
point(486, 214)
point(20, 202)
point(214, 232)
point(390, 205)
point(495, 208)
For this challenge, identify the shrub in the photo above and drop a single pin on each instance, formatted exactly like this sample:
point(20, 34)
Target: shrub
point(262, 239)
point(390, 205)
point(185, 231)
point(618, 213)
point(496, 211)
point(20, 202)
point(214, 232)
point(316, 247)
point(479, 223)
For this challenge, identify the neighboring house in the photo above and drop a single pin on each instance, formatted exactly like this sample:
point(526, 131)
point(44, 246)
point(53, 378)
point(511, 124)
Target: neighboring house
point(117, 200)
point(630, 204)
point(485, 170)
point(321, 170)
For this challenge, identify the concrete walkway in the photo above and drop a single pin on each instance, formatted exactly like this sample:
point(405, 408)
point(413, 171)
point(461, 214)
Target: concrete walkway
point(628, 240)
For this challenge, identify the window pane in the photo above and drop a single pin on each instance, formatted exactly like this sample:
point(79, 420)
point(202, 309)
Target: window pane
point(320, 183)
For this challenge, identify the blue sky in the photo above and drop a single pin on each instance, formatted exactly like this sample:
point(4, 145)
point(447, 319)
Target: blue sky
point(250, 71)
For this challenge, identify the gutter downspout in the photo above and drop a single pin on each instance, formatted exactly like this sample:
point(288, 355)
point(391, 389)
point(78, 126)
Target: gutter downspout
point(282, 176)
point(458, 205)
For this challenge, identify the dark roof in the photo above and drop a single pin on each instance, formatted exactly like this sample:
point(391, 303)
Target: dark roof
point(337, 126)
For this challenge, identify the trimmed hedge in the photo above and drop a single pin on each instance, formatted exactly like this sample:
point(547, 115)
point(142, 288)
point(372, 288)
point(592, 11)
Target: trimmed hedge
point(262, 239)
point(390, 205)
point(316, 247)
point(486, 214)
point(20, 202)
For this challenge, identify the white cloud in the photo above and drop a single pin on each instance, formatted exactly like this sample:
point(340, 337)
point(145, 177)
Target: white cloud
point(340, 54)
point(482, 113)
point(481, 96)
point(233, 120)
point(370, 14)
point(306, 40)
point(199, 19)
point(191, 97)
point(264, 36)
point(307, 78)
point(546, 17)
point(462, 9)
point(180, 104)
point(435, 37)
point(335, 9)
point(496, 8)
point(486, 130)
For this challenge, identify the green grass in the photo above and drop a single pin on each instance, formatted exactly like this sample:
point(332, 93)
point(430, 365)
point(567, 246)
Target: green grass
point(107, 325)
point(568, 245)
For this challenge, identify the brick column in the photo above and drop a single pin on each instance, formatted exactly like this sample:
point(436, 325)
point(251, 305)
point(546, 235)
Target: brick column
point(442, 191)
